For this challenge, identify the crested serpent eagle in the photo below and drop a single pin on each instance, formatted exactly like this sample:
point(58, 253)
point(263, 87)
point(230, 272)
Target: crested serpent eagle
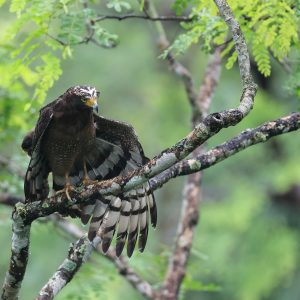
point(79, 146)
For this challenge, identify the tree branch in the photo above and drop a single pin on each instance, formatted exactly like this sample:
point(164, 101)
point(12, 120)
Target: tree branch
point(144, 17)
point(121, 264)
point(239, 41)
point(18, 260)
point(192, 190)
point(242, 141)
point(78, 253)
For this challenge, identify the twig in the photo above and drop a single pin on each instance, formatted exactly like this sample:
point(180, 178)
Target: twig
point(140, 284)
point(180, 70)
point(144, 17)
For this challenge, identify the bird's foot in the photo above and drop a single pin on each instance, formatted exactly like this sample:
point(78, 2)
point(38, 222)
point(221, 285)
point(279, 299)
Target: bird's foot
point(68, 188)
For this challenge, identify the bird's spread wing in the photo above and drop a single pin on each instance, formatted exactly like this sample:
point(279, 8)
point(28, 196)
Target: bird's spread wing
point(36, 184)
point(117, 151)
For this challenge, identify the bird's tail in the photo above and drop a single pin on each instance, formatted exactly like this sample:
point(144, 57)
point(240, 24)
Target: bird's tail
point(127, 214)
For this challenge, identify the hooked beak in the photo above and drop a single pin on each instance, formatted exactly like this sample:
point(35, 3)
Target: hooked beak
point(92, 103)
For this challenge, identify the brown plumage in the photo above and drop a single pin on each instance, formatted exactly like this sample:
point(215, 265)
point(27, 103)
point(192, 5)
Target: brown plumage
point(78, 146)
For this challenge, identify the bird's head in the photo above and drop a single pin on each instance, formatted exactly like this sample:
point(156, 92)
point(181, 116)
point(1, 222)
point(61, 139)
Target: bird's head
point(83, 96)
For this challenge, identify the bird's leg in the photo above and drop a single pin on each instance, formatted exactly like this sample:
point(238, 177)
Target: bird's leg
point(68, 187)
point(86, 178)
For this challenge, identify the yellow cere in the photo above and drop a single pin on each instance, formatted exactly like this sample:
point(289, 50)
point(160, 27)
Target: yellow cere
point(91, 102)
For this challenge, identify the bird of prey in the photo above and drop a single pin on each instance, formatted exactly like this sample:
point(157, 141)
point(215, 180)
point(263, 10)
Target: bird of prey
point(78, 146)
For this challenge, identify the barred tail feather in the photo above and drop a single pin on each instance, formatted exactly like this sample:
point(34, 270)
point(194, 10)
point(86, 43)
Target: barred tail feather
point(153, 209)
point(110, 220)
point(123, 226)
point(97, 218)
point(143, 224)
point(133, 226)
point(86, 213)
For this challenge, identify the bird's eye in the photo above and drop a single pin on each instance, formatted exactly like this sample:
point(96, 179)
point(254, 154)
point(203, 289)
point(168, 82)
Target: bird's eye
point(98, 94)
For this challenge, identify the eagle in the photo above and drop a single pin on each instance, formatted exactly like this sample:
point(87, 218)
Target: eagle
point(78, 146)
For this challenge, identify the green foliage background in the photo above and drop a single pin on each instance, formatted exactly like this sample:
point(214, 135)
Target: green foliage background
point(246, 247)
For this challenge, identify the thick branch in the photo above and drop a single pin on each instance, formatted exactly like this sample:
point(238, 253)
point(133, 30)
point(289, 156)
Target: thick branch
point(244, 140)
point(78, 253)
point(18, 260)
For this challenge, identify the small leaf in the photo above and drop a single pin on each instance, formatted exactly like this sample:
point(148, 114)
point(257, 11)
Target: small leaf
point(117, 5)
point(27, 106)
point(231, 60)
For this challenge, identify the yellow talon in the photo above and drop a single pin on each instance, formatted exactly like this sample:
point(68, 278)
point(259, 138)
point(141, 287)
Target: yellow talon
point(66, 190)
point(86, 180)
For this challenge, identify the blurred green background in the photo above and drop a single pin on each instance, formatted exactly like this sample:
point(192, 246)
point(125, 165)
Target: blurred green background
point(247, 241)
